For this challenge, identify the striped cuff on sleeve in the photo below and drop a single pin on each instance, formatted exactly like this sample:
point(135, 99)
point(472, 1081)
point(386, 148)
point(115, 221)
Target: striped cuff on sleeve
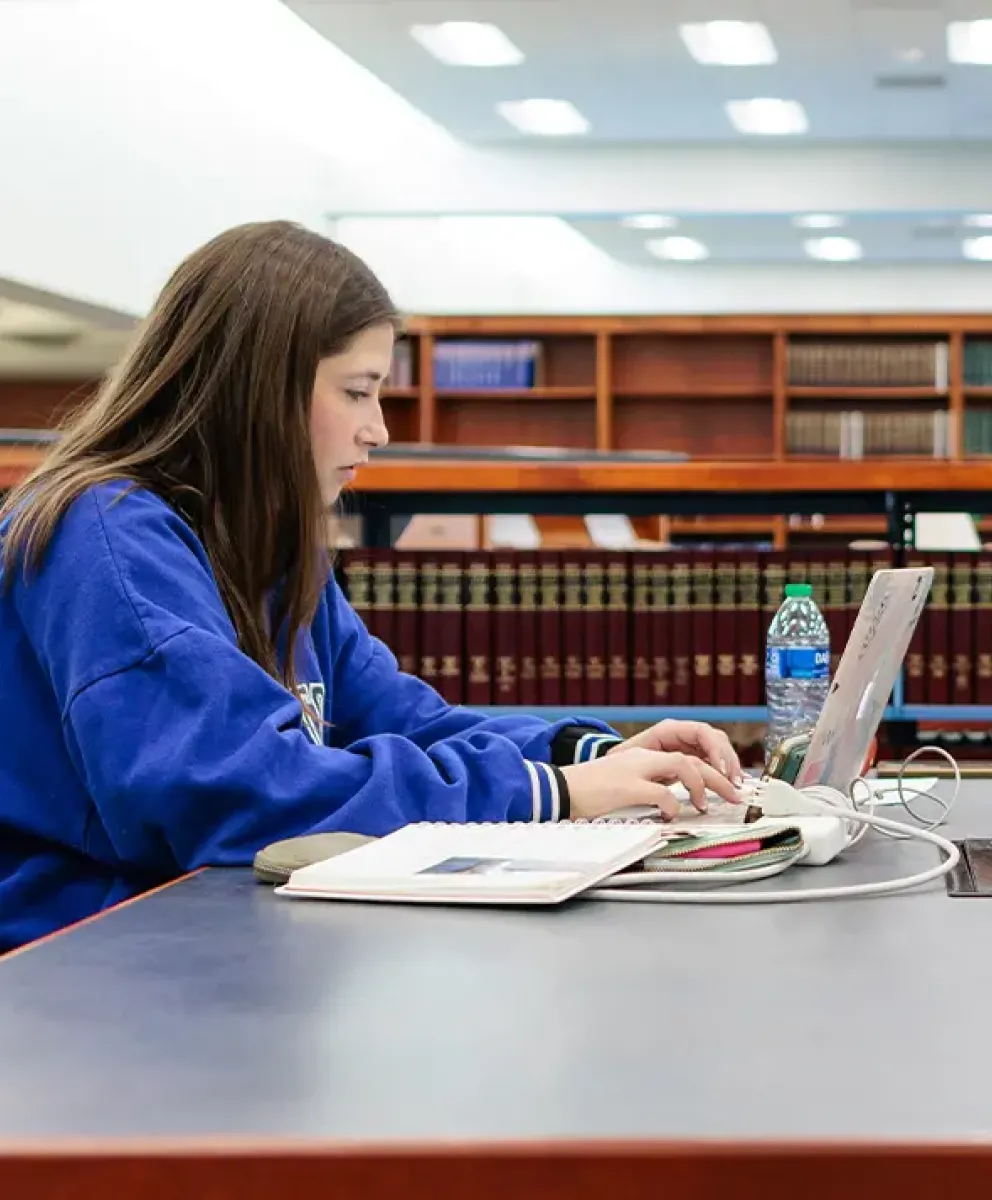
point(594, 745)
point(549, 792)
point(579, 743)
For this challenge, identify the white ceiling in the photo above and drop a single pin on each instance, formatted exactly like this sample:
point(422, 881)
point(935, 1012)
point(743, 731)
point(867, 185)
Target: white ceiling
point(889, 237)
point(623, 64)
point(870, 74)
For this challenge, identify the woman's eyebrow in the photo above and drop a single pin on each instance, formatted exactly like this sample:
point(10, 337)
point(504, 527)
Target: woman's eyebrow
point(372, 376)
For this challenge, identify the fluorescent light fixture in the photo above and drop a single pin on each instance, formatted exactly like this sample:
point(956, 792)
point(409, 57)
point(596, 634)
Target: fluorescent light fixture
point(677, 249)
point(969, 41)
point(649, 221)
point(977, 247)
point(468, 44)
point(729, 43)
point(765, 115)
point(818, 221)
point(546, 118)
point(833, 249)
point(979, 221)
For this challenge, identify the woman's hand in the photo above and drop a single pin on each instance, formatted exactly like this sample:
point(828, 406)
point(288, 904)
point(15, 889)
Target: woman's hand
point(639, 776)
point(694, 738)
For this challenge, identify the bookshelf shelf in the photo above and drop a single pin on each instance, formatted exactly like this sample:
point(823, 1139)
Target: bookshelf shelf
point(727, 391)
point(716, 526)
point(945, 712)
point(684, 478)
point(868, 393)
point(427, 480)
point(400, 393)
point(976, 392)
point(734, 526)
point(533, 393)
point(845, 527)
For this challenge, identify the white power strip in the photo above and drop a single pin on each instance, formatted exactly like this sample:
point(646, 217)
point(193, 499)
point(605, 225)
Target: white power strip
point(824, 835)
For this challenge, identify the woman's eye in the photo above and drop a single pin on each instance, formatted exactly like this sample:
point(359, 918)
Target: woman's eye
point(354, 394)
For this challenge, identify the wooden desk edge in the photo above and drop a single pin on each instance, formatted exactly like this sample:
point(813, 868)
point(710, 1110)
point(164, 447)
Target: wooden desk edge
point(210, 1170)
point(98, 916)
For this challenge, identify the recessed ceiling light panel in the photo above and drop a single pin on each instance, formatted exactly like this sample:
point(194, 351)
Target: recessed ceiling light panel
point(970, 41)
point(649, 221)
point(768, 116)
point(833, 249)
point(729, 43)
point(677, 249)
point(544, 118)
point(818, 221)
point(468, 44)
point(977, 247)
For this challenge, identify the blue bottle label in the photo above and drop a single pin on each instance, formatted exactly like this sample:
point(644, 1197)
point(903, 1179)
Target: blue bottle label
point(797, 662)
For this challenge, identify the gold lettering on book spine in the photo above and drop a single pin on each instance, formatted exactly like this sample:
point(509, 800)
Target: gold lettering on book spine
point(661, 667)
point(527, 580)
point(506, 664)
point(749, 592)
point(983, 603)
point(641, 604)
point(478, 602)
point(939, 602)
point(451, 603)
point(550, 587)
point(572, 603)
point(726, 602)
point(595, 603)
point(430, 601)
point(681, 602)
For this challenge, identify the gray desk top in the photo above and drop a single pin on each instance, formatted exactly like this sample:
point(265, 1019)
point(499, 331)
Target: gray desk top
point(215, 1008)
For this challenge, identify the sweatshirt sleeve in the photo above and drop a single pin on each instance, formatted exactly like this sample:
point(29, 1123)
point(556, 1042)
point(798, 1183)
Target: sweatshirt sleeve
point(192, 755)
point(372, 696)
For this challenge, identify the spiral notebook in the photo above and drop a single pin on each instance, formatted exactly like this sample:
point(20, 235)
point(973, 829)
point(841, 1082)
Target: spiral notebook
point(478, 864)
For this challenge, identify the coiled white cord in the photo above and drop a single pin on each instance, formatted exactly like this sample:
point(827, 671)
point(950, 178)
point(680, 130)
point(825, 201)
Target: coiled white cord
point(945, 806)
point(642, 886)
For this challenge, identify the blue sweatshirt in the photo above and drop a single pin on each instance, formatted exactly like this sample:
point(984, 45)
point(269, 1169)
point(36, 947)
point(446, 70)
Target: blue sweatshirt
point(139, 742)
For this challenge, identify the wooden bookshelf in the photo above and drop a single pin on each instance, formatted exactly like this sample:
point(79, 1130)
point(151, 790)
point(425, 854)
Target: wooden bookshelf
point(715, 388)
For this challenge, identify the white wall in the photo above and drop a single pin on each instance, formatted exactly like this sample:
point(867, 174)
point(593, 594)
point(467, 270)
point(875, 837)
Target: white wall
point(133, 130)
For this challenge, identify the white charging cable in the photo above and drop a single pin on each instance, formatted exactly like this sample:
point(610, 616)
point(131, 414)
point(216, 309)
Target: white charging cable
point(642, 886)
point(945, 806)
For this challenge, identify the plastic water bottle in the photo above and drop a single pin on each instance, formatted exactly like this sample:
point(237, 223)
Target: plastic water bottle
point(797, 665)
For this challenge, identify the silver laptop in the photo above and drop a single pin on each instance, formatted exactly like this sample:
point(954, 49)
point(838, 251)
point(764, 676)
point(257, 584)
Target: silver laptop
point(865, 677)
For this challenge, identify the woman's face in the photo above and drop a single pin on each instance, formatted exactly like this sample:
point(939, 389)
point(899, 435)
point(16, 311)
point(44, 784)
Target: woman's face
point(345, 417)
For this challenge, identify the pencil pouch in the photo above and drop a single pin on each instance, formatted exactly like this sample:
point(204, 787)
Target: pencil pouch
point(727, 850)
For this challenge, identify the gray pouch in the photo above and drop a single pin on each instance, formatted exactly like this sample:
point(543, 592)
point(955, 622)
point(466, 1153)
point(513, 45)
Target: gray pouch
point(276, 862)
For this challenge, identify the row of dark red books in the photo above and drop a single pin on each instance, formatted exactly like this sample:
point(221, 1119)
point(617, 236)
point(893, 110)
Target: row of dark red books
point(681, 627)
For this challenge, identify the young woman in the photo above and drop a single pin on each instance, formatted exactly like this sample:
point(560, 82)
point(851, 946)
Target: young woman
point(181, 679)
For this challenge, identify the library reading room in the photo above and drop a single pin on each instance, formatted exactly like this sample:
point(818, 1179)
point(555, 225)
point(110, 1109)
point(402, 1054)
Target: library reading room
point(495, 598)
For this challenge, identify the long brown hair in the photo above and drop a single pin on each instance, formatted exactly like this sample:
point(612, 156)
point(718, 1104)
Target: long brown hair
point(210, 409)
